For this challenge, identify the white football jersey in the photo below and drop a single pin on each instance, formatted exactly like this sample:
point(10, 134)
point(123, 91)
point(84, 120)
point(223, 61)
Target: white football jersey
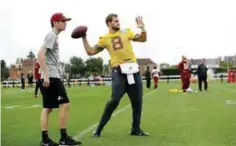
point(155, 72)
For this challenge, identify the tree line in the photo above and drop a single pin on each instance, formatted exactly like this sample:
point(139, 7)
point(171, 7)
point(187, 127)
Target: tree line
point(80, 68)
point(77, 67)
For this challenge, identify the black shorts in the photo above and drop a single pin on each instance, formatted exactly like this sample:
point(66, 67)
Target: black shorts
point(55, 94)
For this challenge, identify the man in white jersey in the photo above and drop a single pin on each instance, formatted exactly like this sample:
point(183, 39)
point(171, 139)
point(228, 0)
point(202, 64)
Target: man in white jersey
point(52, 88)
point(156, 75)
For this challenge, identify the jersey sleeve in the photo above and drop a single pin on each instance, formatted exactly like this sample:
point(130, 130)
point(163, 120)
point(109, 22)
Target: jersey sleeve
point(100, 44)
point(49, 41)
point(131, 34)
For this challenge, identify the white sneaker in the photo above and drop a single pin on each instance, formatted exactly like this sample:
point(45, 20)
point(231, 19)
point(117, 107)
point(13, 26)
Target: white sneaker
point(189, 90)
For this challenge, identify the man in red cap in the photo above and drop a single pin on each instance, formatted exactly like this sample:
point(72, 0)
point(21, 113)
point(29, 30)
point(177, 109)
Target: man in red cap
point(52, 88)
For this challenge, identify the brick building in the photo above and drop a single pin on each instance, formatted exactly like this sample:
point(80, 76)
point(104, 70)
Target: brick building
point(28, 65)
point(25, 66)
point(14, 71)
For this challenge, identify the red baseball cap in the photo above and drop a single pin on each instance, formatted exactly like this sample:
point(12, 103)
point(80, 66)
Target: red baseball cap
point(59, 17)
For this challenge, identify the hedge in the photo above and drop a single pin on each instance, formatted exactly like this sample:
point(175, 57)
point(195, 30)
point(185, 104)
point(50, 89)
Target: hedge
point(175, 71)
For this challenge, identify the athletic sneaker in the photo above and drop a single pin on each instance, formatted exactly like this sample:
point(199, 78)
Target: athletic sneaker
point(48, 143)
point(69, 142)
point(96, 133)
point(138, 132)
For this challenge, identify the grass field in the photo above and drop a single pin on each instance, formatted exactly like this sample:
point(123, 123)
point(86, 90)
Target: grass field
point(172, 119)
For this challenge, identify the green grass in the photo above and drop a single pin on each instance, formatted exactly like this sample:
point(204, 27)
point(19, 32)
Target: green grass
point(172, 119)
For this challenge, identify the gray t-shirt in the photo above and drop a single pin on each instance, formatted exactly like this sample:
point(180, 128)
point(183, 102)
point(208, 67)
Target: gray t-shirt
point(52, 55)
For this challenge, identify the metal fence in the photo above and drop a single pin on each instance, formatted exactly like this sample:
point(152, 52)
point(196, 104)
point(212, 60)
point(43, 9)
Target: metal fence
point(105, 81)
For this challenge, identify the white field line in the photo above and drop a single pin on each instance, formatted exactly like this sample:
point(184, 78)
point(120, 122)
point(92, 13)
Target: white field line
point(92, 127)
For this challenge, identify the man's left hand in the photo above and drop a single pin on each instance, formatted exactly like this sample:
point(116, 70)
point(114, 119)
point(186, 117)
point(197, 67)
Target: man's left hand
point(139, 21)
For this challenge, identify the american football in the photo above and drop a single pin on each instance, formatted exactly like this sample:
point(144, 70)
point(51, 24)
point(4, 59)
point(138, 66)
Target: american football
point(79, 32)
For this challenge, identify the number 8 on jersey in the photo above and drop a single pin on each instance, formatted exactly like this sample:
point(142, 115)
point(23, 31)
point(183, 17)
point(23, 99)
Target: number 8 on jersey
point(117, 43)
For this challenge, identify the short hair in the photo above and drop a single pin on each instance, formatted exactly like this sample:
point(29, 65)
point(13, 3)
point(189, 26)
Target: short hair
point(109, 18)
point(52, 24)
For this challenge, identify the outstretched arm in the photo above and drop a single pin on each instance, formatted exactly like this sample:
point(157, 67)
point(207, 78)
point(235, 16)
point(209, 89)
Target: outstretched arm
point(91, 50)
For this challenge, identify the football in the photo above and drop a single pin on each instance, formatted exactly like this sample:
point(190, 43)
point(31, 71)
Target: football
point(79, 32)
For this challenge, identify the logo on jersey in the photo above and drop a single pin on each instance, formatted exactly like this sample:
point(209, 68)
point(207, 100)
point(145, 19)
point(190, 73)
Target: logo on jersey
point(56, 45)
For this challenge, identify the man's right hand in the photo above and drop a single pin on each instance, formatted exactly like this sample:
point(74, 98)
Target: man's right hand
point(46, 82)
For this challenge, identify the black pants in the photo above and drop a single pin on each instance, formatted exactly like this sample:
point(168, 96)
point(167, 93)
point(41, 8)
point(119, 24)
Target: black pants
point(22, 84)
point(30, 83)
point(148, 83)
point(37, 87)
point(120, 86)
point(200, 80)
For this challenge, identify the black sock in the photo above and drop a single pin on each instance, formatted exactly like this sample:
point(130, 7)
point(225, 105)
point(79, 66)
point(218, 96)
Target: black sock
point(63, 133)
point(45, 136)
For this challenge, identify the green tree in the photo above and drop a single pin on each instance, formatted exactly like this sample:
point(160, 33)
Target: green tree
point(164, 65)
point(4, 70)
point(77, 66)
point(31, 55)
point(94, 65)
point(224, 64)
point(3, 64)
point(173, 66)
point(68, 68)
point(106, 69)
point(18, 60)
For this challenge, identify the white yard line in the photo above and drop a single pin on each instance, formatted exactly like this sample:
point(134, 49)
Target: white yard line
point(33, 106)
point(12, 106)
point(230, 102)
point(228, 90)
point(92, 127)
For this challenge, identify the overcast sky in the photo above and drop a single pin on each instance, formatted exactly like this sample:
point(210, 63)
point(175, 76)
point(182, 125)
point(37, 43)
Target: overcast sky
point(195, 28)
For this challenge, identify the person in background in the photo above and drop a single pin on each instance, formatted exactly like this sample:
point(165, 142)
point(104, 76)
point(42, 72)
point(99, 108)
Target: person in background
point(37, 77)
point(148, 77)
point(202, 75)
point(234, 76)
point(185, 74)
point(22, 81)
point(221, 78)
point(30, 78)
point(156, 74)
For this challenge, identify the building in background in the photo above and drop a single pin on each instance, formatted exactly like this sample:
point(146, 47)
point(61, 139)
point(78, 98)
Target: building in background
point(210, 62)
point(28, 65)
point(230, 59)
point(14, 71)
point(143, 63)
